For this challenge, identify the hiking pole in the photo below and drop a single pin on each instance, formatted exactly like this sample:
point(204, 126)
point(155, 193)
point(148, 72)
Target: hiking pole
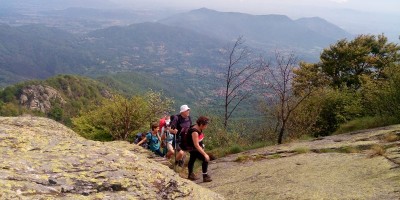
point(175, 152)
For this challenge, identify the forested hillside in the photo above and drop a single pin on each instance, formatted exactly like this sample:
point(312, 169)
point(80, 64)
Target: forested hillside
point(36, 51)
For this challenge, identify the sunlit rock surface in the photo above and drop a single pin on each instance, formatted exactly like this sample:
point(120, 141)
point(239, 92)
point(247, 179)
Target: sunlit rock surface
point(347, 166)
point(42, 159)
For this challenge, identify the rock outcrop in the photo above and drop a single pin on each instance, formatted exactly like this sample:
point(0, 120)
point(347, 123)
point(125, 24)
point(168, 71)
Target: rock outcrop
point(39, 97)
point(358, 165)
point(42, 159)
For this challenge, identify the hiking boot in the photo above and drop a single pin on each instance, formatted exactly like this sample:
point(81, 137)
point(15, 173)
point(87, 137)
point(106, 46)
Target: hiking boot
point(206, 178)
point(179, 163)
point(192, 177)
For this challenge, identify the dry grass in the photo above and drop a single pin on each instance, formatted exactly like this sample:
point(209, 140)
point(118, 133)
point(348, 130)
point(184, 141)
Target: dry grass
point(300, 150)
point(377, 150)
point(391, 137)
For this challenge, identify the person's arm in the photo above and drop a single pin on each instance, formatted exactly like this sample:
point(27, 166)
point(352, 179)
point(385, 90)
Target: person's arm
point(142, 141)
point(195, 138)
point(163, 135)
point(172, 129)
point(159, 138)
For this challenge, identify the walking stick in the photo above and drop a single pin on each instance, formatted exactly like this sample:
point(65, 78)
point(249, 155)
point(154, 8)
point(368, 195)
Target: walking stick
point(175, 152)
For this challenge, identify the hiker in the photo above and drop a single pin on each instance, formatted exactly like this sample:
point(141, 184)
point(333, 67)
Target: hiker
point(139, 137)
point(163, 121)
point(195, 141)
point(180, 121)
point(153, 140)
point(167, 138)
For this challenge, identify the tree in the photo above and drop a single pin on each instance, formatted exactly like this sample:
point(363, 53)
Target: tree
point(353, 80)
point(158, 104)
point(346, 61)
point(118, 116)
point(279, 92)
point(238, 76)
point(121, 116)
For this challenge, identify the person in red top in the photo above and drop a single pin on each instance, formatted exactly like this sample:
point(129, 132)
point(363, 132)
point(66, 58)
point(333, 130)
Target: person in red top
point(195, 140)
point(163, 121)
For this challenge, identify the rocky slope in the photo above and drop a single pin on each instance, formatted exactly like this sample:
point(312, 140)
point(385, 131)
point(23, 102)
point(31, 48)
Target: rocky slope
point(358, 165)
point(42, 159)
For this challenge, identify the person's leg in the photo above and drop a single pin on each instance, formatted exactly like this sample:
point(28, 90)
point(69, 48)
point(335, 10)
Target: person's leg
point(159, 153)
point(192, 160)
point(204, 168)
point(193, 156)
point(179, 157)
point(170, 150)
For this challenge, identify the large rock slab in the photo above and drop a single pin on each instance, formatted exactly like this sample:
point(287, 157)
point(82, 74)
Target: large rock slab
point(42, 159)
point(336, 167)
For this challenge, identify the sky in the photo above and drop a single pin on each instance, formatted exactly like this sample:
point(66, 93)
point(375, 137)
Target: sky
point(355, 16)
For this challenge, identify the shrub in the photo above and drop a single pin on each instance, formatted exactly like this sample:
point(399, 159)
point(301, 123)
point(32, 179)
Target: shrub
point(366, 123)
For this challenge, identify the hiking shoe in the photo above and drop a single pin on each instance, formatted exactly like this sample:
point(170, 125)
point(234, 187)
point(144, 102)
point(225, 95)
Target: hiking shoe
point(179, 163)
point(192, 177)
point(206, 178)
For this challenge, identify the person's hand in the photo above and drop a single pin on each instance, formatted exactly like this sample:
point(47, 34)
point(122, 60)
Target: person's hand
point(207, 157)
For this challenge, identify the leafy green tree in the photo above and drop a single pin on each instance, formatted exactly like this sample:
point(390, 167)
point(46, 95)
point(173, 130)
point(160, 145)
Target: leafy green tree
point(56, 113)
point(356, 78)
point(9, 109)
point(382, 96)
point(120, 117)
point(158, 104)
point(345, 61)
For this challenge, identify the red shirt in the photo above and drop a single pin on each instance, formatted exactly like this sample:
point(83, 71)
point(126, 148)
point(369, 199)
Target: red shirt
point(162, 123)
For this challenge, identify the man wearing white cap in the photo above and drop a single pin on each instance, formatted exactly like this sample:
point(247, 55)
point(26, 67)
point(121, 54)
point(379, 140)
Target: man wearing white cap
point(179, 122)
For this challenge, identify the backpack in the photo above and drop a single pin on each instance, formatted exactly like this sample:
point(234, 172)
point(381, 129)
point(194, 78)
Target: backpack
point(185, 137)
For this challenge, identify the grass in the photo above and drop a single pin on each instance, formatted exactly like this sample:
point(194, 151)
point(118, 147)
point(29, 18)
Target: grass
point(242, 158)
point(348, 149)
point(391, 137)
point(301, 150)
point(275, 156)
point(245, 158)
point(377, 150)
point(235, 149)
point(224, 151)
point(366, 123)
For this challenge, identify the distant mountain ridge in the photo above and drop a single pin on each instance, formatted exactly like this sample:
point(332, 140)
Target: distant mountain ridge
point(260, 30)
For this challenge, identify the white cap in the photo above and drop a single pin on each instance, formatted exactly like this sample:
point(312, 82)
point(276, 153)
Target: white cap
point(184, 108)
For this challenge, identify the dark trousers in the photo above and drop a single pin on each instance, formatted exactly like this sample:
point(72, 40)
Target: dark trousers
point(158, 152)
point(197, 155)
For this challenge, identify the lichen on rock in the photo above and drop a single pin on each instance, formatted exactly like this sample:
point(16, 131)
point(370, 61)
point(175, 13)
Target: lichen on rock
point(44, 159)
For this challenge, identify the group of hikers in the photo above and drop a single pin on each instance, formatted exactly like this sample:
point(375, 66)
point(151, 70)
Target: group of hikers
point(178, 136)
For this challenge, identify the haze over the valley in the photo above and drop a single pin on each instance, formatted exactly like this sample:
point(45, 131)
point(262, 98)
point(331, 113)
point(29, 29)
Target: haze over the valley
point(355, 16)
